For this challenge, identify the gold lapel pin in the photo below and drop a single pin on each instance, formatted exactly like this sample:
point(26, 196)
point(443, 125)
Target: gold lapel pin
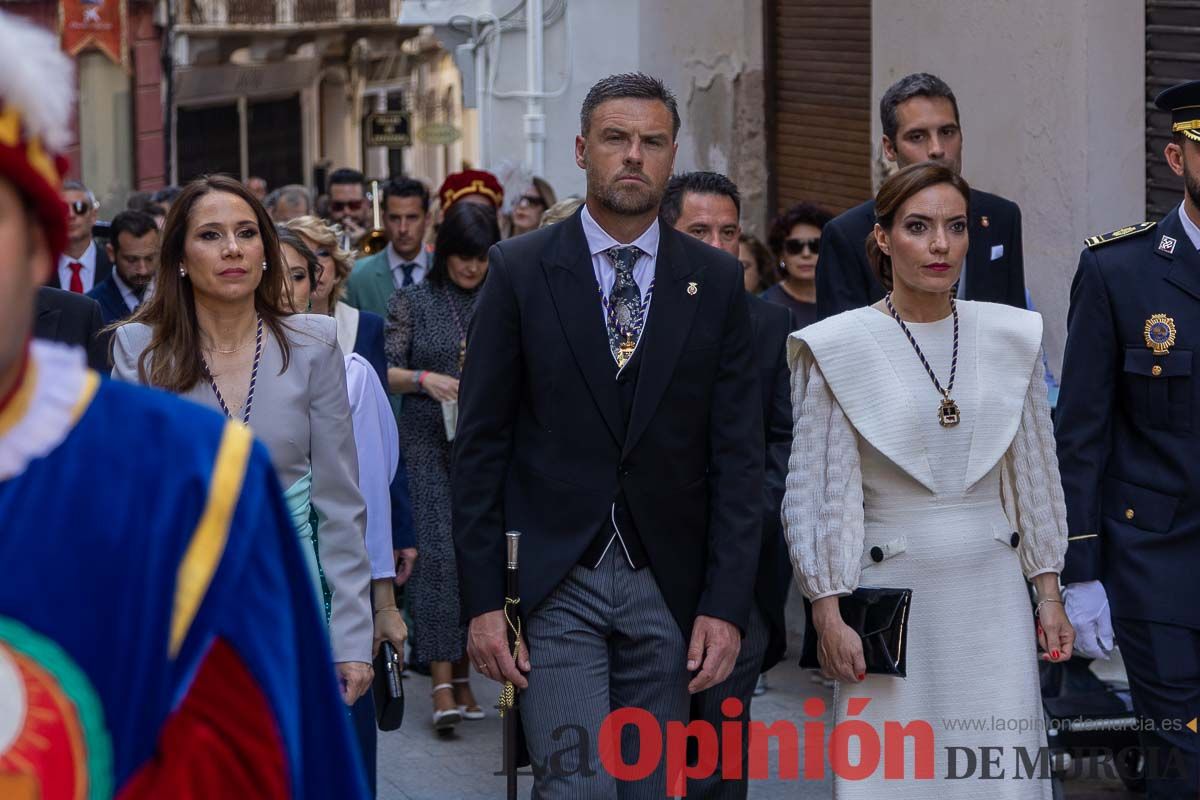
point(984, 221)
point(692, 288)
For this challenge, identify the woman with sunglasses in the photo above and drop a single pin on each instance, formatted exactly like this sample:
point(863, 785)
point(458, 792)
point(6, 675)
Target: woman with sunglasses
point(795, 239)
point(529, 206)
point(219, 330)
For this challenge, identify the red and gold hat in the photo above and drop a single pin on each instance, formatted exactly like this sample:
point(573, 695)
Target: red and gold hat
point(468, 182)
point(36, 97)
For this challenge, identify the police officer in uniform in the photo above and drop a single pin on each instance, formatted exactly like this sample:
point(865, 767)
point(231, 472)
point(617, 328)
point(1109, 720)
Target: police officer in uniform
point(1128, 434)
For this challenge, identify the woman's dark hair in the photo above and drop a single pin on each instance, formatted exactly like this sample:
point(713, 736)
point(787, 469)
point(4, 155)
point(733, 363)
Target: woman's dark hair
point(468, 230)
point(171, 311)
point(893, 194)
point(762, 260)
point(799, 214)
point(294, 241)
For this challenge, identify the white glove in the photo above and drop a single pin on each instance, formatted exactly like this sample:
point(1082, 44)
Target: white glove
point(1087, 608)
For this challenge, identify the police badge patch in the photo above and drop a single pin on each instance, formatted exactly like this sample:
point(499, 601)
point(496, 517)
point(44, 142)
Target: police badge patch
point(1160, 334)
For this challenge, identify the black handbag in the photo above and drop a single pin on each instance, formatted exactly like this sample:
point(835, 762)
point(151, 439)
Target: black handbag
point(389, 688)
point(880, 618)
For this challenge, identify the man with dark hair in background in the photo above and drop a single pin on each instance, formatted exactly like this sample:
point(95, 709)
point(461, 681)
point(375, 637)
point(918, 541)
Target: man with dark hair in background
point(84, 263)
point(609, 410)
point(348, 205)
point(133, 248)
point(405, 260)
point(707, 206)
point(920, 123)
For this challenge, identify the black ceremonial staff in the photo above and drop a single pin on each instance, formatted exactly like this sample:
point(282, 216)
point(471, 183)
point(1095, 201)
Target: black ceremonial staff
point(508, 695)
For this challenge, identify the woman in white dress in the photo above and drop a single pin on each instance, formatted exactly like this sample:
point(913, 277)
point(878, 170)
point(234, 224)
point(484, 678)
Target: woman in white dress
point(923, 458)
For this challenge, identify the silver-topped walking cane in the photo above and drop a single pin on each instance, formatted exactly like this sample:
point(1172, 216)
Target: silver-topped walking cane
point(508, 695)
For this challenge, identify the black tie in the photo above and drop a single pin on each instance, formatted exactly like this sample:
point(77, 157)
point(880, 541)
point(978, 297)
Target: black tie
point(408, 270)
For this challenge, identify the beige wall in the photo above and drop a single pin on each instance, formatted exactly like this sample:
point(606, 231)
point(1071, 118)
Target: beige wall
point(1052, 103)
point(105, 131)
point(709, 52)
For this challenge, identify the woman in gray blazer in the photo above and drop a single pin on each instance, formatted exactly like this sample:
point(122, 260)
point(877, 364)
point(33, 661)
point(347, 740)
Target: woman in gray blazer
point(217, 333)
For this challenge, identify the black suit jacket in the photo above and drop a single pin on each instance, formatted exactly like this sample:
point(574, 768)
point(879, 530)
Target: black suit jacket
point(72, 319)
point(1128, 426)
point(103, 269)
point(112, 304)
point(772, 324)
point(542, 446)
point(995, 269)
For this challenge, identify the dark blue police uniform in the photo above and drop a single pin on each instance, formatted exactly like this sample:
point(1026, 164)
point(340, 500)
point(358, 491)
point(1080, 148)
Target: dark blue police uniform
point(1128, 435)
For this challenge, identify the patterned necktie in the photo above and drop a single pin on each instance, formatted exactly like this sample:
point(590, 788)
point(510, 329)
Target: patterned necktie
point(76, 279)
point(624, 304)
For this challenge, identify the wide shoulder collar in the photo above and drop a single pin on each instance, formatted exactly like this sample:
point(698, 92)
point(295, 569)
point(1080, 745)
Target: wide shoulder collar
point(856, 351)
point(1007, 346)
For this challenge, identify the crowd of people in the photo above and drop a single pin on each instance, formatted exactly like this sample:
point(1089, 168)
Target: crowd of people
point(681, 420)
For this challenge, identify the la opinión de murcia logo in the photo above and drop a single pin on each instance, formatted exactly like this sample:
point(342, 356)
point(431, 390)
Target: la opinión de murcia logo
point(822, 750)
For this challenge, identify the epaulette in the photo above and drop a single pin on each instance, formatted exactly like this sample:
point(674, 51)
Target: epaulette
point(1119, 233)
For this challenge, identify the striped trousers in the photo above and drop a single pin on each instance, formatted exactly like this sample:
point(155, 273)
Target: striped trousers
point(604, 639)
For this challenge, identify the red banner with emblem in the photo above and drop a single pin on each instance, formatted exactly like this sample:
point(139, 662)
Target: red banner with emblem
point(94, 23)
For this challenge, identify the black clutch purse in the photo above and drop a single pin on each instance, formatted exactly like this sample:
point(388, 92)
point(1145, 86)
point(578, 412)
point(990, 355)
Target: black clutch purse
point(880, 618)
point(389, 688)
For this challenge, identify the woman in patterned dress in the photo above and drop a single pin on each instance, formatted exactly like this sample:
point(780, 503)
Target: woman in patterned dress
point(426, 338)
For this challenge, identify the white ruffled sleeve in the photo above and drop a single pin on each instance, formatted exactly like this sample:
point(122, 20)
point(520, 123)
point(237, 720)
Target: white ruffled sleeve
point(1034, 484)
point(823, 505)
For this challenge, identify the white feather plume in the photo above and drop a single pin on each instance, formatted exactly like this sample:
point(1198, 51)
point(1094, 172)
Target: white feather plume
point(38, 78)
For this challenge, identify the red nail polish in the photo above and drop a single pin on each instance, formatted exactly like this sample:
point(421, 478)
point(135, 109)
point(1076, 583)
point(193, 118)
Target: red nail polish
point(862, 676)
point(1054, 654)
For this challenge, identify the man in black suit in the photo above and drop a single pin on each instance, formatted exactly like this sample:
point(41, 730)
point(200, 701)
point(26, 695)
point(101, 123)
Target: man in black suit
point(72, 319)
point(609, 410)
point(133, 249)
point(707, 206)
point(920, 123)
point(84, 263)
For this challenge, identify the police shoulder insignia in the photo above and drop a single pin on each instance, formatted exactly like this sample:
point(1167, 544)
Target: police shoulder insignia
point(1119, 233)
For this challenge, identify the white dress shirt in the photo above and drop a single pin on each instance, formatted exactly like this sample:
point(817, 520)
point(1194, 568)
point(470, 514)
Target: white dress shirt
point(1189, 227)
point(87, 274)
point(606, 275)
point(127, 294)
point(378, 447)
point(395, 261)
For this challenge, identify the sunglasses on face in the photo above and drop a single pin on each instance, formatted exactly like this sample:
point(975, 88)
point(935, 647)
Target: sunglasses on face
point(531, 200)
point(80, 207)
point(345, 205)
point(795, 247)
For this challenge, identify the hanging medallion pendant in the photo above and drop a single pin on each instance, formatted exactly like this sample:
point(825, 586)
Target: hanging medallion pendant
point(948, 413)
point(625, 350)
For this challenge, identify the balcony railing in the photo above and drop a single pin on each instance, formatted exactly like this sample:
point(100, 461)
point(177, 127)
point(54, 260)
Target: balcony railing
point(267, 14)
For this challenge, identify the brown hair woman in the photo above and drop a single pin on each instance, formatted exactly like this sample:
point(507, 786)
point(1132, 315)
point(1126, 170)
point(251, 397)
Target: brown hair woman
point(924, 459)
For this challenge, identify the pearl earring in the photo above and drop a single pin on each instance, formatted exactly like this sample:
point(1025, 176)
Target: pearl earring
point(264, 265)
point(182, 271)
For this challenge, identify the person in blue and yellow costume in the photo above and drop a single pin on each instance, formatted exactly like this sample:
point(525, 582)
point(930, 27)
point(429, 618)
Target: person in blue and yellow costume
point(158, 631)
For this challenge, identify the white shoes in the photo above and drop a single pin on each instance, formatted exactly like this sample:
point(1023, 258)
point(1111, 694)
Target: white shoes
point(444, 721)
point(472, 713)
